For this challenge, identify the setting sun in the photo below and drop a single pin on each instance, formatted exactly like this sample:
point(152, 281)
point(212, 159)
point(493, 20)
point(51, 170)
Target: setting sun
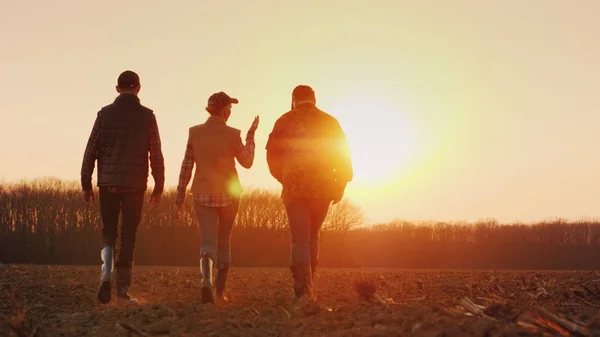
point(381, 140)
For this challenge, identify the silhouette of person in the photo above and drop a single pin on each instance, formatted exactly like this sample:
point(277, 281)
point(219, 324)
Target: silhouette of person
point(213, 147)
point(307, 152)
point(123, 135)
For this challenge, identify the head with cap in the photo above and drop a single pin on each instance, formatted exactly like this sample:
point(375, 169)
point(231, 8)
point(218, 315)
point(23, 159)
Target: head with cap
point(219, 104)
point(303, 94)
point(128, 83)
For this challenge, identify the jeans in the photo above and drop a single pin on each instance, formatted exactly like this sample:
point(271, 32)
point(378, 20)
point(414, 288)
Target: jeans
point(128, 205)
point(216, 224)
point(305, 218)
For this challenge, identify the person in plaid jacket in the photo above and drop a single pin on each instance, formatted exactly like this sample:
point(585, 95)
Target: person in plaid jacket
point(213, 147)
point(307, 152)
point(124, 135)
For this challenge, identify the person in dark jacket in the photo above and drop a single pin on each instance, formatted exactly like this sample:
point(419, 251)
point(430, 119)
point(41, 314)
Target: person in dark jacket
point(124, 135)
point(213, 147)
point(308, 154)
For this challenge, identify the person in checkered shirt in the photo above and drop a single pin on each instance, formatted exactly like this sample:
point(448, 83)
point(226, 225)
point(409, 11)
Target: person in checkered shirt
point(308, 153)
point(213, 148)
point(125, 134)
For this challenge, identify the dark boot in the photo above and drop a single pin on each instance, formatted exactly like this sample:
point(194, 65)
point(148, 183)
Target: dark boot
point(206, 266)
point(297, 283)
point(302, 275)
point(123, 283)
point(308, 282)
point(220, 282)
point(106, 274)
point(305, 301)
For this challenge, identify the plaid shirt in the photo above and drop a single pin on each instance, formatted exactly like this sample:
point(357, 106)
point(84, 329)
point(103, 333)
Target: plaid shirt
point(308, 153)
point(244, 155)
point(156, 157)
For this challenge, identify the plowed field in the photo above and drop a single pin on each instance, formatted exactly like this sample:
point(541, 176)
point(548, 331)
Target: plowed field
point(60, 301)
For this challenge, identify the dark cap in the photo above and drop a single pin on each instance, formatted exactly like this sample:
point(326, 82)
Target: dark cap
point(219, 100)
point(303, 92)
point(128, 79)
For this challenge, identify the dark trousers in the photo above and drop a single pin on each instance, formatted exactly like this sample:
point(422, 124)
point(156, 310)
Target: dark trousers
point(216, 224)
point(305, 218)
point(128, 205)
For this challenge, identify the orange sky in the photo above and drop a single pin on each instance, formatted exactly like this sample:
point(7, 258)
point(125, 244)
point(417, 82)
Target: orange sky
point(485, 109)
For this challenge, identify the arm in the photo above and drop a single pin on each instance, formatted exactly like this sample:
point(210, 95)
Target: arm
point(275, 153)
point(245, 153)
point(185, 174)
point(157, 161)
point(342, 157)
point(90, 156)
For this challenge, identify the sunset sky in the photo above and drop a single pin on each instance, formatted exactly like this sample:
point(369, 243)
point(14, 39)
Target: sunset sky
point(454, 110)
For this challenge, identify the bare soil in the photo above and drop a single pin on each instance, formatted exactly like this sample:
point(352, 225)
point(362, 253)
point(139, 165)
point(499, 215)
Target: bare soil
point(61, 301)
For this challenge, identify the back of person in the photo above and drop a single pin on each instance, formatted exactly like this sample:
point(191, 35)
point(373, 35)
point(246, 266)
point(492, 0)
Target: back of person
point(308, 154)
point(313, 153)
point(124, 136)
point(214, 147)
point(123, 147)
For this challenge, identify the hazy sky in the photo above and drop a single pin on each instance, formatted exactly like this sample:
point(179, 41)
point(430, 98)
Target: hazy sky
point(455, 110)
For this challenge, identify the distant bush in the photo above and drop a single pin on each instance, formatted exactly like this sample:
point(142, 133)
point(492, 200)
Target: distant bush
point(46, 222)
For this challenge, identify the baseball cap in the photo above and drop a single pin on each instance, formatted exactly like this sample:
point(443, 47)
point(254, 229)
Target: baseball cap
point(128, 79)
point(219, 100)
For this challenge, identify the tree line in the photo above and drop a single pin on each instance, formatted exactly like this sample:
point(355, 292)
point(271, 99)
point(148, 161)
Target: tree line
point(45, 221)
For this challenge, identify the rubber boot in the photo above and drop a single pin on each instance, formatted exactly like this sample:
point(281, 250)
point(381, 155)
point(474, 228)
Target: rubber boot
point(298, 285)
point(123, 283)
point(306, 272)
point(304, 302)
point(303, 287)
point(220, 283)
point(206, 266)
point(106, 274)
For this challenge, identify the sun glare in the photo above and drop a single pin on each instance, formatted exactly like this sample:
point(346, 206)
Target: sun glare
point(380, 138)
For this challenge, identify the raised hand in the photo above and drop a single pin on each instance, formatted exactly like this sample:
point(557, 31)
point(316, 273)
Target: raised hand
point(254, 125)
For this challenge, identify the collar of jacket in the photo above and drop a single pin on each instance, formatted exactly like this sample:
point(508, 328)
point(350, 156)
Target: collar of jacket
point(127, 98)
point(216, 119)
point(305, 104)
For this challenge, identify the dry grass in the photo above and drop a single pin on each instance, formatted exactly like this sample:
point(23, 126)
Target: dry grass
point(17, 319)
point(47, 222)
point(366, 287)
point(425, 303)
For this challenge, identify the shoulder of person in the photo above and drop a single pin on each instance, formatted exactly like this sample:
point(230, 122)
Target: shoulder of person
point(328, 118)
point(231, 128)
point(146, 109)
point(226, 128)
point(233, 131)
point(197, 127)
point(105, 107)
point(194, 129)
point(284, 119)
